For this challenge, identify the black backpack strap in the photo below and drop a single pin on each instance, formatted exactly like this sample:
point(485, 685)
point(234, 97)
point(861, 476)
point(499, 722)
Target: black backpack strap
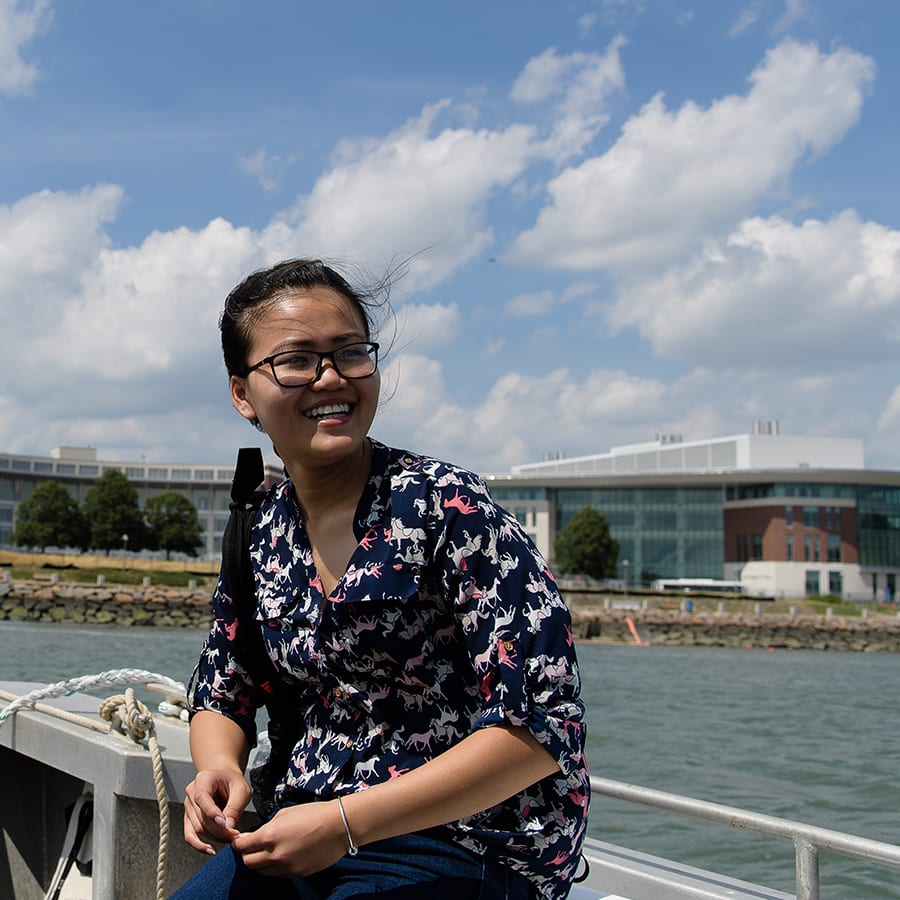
point(285, 722)
point(237, 567)
point(249, 474)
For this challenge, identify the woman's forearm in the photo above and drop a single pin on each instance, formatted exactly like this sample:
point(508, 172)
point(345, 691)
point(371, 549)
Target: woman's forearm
point(217, 742)
point(487, 767)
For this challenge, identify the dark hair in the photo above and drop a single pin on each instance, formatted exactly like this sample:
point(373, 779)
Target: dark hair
point(267, 285)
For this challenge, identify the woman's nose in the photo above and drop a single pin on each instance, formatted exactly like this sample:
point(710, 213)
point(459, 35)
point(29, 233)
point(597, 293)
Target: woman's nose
point(328, 373)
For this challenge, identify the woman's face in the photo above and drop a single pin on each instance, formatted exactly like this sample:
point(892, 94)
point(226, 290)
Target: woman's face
point(323, 422)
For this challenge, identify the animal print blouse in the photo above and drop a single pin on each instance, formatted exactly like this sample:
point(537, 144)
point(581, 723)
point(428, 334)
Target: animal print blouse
point(446, 620)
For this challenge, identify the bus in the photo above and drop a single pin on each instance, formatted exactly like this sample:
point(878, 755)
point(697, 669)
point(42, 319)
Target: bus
point(698, 585)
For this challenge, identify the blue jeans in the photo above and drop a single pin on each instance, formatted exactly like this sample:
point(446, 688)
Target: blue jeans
point(409, 867)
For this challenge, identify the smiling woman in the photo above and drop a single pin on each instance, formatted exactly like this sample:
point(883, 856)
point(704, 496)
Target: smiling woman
point(433, 695)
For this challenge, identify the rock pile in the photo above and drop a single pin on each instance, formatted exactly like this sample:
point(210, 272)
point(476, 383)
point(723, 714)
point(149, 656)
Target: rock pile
point(42, 601)
point(39, 601)
point(674, 627)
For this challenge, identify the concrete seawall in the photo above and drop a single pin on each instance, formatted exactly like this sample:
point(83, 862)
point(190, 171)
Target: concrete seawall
point(42, 601)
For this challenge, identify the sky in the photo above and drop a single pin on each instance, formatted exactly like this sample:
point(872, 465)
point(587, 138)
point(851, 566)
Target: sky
point(612, 219)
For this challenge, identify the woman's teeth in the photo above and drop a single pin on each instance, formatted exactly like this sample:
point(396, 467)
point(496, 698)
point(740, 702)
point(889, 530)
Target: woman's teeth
point(323, 412)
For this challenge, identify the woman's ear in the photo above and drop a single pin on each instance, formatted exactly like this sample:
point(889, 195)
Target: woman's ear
point(239, 399)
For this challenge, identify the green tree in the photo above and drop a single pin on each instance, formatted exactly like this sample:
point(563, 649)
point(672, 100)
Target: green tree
point(112, 511)
point(174, 524)
point(50, 517)
point(585, 546)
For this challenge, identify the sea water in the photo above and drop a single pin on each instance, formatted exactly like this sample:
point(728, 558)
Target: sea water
point(802, 735)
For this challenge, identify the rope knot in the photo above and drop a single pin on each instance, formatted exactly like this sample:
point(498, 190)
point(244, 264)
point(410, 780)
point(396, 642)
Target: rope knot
point(128, 715)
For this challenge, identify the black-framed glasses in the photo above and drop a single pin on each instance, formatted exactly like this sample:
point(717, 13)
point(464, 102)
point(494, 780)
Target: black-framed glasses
point(295, 368)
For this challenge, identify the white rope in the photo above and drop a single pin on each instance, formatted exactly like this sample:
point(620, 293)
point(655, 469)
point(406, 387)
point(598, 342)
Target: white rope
point(124, 713)
point(87, 683)
point(64, 714)
point(137, 720)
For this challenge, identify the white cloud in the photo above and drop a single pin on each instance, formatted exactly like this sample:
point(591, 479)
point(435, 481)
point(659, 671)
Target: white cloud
point(422, 327)
point(518, 415)
point(410, 191)
point(268, 169)
point(674, 178)
point(819, 294)
point(746, 18)
point(536, 303)
point(20, 22)
point(539, 303)
point(890, 415)
point(103, 343)
point(794, 11)
point(580, 84)
point(586, 24)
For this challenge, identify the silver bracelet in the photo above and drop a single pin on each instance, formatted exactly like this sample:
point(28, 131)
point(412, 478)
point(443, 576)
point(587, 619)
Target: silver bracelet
point(353, 848)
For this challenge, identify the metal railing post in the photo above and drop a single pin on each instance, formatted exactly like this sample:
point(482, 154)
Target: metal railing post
point(807, 856)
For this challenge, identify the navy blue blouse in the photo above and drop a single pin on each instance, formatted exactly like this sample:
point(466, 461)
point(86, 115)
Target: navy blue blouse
point(446, 620)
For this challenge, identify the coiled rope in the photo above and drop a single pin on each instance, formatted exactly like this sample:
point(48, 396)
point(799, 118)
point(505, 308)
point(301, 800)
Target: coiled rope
point(137, 721)
point(122, 712)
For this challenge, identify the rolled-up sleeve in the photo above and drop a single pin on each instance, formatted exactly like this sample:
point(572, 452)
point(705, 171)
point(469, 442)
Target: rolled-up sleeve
point(220, 682)
point(515, 624)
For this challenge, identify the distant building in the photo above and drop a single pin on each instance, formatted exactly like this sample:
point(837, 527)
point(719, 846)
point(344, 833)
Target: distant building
point(208, 487)
point(786, 516)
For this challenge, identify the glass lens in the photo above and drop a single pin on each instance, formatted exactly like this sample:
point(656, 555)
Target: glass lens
point(295, 367)
point(355, 360)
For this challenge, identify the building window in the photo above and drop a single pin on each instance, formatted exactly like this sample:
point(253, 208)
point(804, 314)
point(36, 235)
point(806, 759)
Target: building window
point(158, 474)
point(204, 475)
point(836, 584)
point(834, 548)
point(790, 548)
point(134, 472)
point(811, 516)
point(837, 518)
point(807, 548)
point(181, 474)
point(757, 546)
point(817, 548)
point(789, 516)
point(812, 584)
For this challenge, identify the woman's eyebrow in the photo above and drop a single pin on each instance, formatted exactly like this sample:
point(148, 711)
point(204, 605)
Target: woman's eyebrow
point(306, 343)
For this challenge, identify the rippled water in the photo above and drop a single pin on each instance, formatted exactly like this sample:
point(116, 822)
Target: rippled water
point(803, 735)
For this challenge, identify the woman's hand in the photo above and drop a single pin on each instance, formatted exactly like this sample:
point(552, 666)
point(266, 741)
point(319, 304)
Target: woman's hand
point(214, 803)
point(297, 840)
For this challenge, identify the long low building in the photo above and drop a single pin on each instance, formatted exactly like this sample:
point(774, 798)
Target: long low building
point(208, 487)
point(785, 516)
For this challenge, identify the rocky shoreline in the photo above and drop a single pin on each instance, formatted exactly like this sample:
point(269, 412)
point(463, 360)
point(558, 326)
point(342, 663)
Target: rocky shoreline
point(150, 605)
point(156, 606)
point(661, 627)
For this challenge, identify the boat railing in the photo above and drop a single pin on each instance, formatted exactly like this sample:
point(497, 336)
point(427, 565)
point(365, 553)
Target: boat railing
point(808, 840)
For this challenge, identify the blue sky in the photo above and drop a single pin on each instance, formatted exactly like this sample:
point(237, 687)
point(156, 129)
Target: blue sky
point(623, 218)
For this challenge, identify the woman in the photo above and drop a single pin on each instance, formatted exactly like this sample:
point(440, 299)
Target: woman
point(429, 651)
